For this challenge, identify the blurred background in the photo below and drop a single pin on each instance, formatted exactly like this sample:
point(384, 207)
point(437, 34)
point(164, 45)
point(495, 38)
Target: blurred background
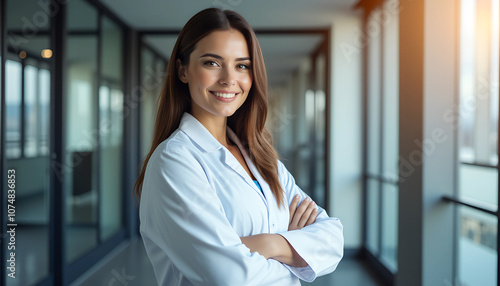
point(385, 112)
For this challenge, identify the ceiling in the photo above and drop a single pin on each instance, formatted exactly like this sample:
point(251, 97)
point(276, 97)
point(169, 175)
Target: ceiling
point(282, 53)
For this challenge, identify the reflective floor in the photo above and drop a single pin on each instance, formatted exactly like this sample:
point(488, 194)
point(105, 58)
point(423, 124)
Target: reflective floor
point(350, 272)
point(129, 265)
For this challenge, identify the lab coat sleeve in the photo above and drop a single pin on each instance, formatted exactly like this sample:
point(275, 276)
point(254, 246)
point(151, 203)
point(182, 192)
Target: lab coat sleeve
point(182, 218)
point(320, 244)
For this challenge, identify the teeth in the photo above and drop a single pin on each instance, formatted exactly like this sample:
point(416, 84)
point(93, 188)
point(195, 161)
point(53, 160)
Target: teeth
point(224, 95)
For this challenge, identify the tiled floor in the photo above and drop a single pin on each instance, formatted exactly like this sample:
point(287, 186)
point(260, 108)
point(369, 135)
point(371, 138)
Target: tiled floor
point(129, 265)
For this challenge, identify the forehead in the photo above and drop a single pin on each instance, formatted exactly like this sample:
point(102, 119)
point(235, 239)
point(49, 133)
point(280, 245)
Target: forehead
point(228, 43)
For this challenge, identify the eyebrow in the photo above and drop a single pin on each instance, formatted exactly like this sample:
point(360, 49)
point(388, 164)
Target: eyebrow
point(219, 57)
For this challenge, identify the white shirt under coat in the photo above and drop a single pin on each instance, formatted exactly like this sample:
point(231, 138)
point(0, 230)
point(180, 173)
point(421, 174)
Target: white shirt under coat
point(197, 201)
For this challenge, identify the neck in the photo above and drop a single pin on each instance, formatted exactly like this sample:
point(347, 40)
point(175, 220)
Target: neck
point(216, 125)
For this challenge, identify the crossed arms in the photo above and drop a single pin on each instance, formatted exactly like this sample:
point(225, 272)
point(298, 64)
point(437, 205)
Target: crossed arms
point(276, 246)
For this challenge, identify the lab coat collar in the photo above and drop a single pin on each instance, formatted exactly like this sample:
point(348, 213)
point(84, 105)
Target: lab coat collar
point(198, 133)
point(203, 138)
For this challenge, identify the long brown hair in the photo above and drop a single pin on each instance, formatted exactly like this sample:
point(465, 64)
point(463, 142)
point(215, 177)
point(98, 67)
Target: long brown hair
point(247, 122)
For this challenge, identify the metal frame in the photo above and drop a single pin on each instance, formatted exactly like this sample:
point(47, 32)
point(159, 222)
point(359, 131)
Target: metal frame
point(471, 204)
point(97, 103)
point(138, 122)
point(102, 8)
point(57, 196)
point(23, 108)
point(323, 48)
point(126, 209)
point(364, 139)
point(381, 143)
point(456, 99)
point(328, 113)
point(479, 165)
point(498, 192)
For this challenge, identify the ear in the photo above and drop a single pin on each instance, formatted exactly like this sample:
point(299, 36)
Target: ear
point(181, 71)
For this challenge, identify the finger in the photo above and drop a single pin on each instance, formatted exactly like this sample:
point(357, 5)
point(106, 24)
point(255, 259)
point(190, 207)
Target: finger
point(312, 217)
point(300, 210)
point(307, 213)
point(293, 207)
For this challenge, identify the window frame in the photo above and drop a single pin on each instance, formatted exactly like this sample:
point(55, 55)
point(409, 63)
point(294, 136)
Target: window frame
point(375, 259)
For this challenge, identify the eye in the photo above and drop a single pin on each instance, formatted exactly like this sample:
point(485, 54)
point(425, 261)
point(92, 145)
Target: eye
point(243, 66)
point(211, 64)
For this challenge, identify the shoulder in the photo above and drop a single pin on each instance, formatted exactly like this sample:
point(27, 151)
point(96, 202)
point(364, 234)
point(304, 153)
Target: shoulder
point(282, 170)
point(285, 177)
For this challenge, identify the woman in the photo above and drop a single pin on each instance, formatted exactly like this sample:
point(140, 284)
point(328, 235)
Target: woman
point(217, 207)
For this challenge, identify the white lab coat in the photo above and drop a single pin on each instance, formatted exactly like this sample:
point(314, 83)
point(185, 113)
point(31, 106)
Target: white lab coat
point(197, 201)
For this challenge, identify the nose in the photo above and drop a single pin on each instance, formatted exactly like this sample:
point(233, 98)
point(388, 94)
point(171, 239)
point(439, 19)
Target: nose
point(227, 78)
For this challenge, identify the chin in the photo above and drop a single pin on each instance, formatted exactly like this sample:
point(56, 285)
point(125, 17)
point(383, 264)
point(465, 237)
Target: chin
point(227, 113)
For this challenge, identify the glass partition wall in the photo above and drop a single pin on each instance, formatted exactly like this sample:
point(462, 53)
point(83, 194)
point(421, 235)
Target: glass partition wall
point(82, 141)
point(93, 128)
point(90, 101)
point(155, 51)
point(299, 105)
point(26, 138)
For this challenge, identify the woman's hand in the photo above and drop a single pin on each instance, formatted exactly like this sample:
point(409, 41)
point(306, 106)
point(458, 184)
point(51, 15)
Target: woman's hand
point(304, 215)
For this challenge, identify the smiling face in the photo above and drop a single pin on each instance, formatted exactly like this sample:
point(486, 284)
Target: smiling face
point(219, 75)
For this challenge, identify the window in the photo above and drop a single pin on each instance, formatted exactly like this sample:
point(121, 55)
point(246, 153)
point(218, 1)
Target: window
point(381, 174)
point(36, 110)
point(476, 243)
point(27, 137)
point(153, 69)
point(111, 125)
point(13, 97)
